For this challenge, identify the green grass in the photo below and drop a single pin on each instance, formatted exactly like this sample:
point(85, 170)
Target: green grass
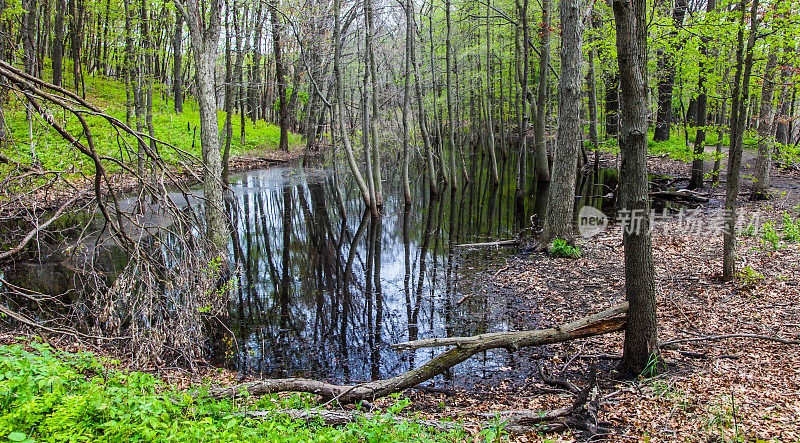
point(55, 396)
point(179, 130)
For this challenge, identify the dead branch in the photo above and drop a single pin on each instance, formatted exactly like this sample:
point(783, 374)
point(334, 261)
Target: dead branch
point(38, 228)
point(785, 341)
point(493, 243)
point(341, 418)
point(595, 324)
point(464, 348)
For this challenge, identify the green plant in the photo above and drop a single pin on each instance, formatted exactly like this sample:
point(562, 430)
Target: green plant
point(770, 235)
point(791, 228)
point(494, 432)
point(655, 365)
point(56, 396)
point(749, 277)
point(560, 248)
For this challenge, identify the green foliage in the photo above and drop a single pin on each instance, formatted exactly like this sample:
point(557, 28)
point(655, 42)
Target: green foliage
point(560, 248)
point(789, 232)
point(53, 396)
point(749, 277)
point(770, 235)
point(179, 130)
point(791, 228)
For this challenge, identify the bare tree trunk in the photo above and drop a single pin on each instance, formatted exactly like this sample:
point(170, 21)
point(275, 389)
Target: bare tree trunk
point(204, 29)
point(641, 334)
point(698, 165)
point(666, 82)
point(540, 162)
point(280, 74)
point(177, 74)
point(422, 115)
point(591, 86)
point(229, 91)
point(741, 94)
point(522, 13)
point(58, 44)
point(337, 72)
point(255, 78)
point(450, 109)
point(407, 101)
point(561, 198)
point(766, 119)
point(489, 91)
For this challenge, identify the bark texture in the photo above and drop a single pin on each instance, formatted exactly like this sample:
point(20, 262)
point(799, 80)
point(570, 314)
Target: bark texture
point(561, 198)
point(641, 334)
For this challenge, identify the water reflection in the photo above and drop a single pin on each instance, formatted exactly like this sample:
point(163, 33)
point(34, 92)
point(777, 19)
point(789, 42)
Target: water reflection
point(324, 287)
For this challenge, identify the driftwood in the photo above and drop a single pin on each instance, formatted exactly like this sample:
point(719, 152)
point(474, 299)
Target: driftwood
point(610, 320)
point(491, 243)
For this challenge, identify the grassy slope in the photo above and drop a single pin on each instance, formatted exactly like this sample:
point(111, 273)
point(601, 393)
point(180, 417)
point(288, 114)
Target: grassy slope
point(180, 130)
point(57, 396)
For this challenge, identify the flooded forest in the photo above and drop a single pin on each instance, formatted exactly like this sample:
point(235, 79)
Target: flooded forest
point(433, 220)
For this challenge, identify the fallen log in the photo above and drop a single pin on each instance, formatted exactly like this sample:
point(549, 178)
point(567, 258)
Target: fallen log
point(595, 324)
point(679, 195)
point(610, 320)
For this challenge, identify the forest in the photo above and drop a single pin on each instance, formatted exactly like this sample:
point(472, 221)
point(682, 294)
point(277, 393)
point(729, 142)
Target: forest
point(411, 220)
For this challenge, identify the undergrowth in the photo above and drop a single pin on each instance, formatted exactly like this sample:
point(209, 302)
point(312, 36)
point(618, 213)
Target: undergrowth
point(560, 248)
point(57, 396)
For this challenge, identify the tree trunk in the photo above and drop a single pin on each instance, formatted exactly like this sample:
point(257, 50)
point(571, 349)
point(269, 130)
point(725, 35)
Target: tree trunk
point(561, 198)
point(407, 102)
point(204, 29)
point(229, 92)
point(58, 44)
point(591, 86)
point(463, 348)
point(741, 94)
point(337, 73)
point(666, 82)
point(641, 335)
point(698, 164)
point(280, 74)
point(422, 114)
point(612, 104)
point(28, 32)
point(177, 74)
point(451, 133)
point(540, 161)
point(489, 91)
point(766, 118)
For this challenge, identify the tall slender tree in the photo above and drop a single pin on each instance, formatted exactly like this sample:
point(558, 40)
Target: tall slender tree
point(641, 333)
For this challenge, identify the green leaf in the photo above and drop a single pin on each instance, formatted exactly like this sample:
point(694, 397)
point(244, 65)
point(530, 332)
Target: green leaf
point(17, 436)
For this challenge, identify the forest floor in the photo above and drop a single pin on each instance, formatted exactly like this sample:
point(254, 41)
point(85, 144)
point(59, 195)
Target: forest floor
point(737, 389)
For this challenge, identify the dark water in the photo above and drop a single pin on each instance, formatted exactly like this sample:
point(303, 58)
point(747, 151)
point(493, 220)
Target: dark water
point(323, 288)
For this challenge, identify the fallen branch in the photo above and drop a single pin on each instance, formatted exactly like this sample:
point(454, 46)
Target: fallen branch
point(679, 195)
point(341, 418)
point(39, 227)
point(785, 341)
point(595, 324)
point(492, 243)
point(464, 348)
